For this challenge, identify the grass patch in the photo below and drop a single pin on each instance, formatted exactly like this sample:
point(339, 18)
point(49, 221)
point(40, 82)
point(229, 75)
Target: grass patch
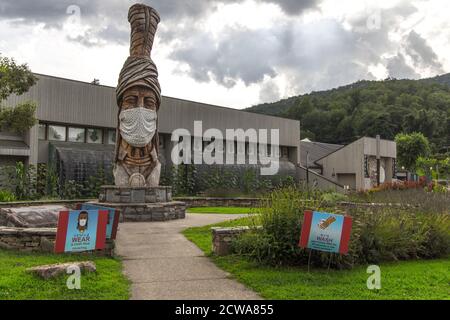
point(222, 210)
point(108, 283)
point(421, 280)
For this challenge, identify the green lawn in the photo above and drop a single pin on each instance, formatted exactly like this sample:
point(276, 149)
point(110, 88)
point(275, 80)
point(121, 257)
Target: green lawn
point(222, 210)
point(401, 280)
point(16, 284)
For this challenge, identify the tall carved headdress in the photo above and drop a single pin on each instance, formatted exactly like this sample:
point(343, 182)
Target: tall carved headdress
point(139, 69)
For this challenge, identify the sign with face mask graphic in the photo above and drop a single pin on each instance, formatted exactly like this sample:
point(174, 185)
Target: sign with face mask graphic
point(113, 218)
point(81, 230)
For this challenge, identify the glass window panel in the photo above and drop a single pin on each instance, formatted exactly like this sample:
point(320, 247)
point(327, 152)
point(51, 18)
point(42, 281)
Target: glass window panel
point(111, 136)
point(275, 151)
point(76, 134)
point(42, 128)
point(252, 149)
point(94, 135)
point(241, 147)
point(57, 133)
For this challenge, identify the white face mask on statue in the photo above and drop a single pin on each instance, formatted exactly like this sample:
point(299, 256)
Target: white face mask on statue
point(138, 126)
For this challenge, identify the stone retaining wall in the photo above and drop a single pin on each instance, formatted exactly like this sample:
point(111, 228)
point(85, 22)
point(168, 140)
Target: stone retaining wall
point(38, 240)
point(115, 194)
point(146, 212)
point(373, 205)
point(222, 238)
point(28, 239)
point(66, 203)
point(199, 202)
point(220, 202)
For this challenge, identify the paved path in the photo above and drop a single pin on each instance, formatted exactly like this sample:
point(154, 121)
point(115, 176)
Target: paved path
point(163, 265)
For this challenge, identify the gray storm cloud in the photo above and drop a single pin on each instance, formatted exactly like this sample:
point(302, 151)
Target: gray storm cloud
point(243, 54)
point(421, 53)
point(399, 69)
point(108, 18)
point(313, 56)
point(53, 11)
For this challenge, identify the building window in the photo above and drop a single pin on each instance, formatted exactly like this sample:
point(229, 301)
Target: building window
point(42, 131)
point(111, 137)
point(240, 146)
point(94, 136)
point(229, 145)
point(284, 152)
point(274, 151)
point(57, 133)
point(252, 149)
point(161, 141)
point(76, 134)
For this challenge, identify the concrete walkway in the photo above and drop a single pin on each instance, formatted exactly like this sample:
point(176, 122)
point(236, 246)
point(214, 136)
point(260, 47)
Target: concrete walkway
point(163, 265)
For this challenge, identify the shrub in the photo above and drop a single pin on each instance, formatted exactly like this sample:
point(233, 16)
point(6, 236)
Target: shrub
point(416, 200)
point(378, 234)
point(401, 185)
point(332, 198)
point(7, 196)
point(281, 218)
point(20, 179)
point(71, 190)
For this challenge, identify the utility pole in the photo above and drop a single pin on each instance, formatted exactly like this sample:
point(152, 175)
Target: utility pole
point(378, 160)
point(307, 168)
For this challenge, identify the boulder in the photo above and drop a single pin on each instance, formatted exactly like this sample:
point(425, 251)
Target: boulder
point(31, 217)
point(55, 270)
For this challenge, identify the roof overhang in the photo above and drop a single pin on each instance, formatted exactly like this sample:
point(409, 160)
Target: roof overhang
point(14, 148)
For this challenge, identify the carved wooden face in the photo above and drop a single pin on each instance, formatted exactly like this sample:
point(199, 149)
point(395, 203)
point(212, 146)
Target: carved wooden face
point(137, 97)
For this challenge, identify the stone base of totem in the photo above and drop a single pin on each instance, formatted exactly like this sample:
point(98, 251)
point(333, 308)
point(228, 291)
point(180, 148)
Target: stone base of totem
point(145, 204)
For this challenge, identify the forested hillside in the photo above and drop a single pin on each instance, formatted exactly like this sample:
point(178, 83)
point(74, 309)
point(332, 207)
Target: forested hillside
point(368, 108)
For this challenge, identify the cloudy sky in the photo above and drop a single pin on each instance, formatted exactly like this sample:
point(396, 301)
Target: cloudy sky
point(235, 53)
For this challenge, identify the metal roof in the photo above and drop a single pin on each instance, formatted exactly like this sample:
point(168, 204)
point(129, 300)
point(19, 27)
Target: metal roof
point(316, 151)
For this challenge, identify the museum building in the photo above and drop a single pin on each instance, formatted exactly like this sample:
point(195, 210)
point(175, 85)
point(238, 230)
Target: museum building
point(77, 128)
point(76, 134)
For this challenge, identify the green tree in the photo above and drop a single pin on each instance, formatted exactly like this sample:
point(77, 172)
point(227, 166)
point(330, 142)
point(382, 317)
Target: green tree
point(367, 108)
point(18, 119)
point(16, 79)
point(437, 168)
point(410, 147)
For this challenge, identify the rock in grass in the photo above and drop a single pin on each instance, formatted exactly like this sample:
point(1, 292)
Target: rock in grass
point(54, 270)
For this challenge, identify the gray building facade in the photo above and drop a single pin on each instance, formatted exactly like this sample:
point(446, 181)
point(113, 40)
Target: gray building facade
point(77, 124)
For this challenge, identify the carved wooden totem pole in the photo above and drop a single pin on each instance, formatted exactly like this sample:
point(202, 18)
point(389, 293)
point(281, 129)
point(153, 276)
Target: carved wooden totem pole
point(138, 97)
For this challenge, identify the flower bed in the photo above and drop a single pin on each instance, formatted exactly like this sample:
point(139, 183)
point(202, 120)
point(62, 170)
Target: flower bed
point(378, 234)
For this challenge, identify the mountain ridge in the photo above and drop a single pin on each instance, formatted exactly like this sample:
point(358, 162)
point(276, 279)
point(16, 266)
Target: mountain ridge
point(287, 102)
point(367, 108)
